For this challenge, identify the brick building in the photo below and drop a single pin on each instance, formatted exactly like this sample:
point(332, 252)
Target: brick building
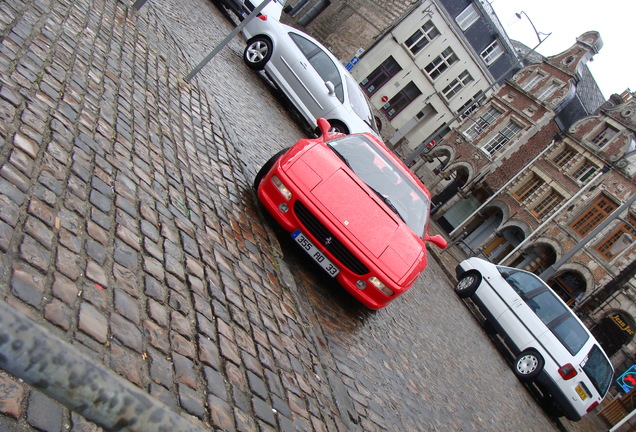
point(524, 190)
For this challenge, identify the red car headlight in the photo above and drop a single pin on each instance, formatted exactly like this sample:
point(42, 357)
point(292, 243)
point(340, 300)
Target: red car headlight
point(286, 193)
point(379, 285)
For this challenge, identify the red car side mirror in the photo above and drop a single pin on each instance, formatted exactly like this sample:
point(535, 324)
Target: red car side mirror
point(324, 126)
point(437, 240)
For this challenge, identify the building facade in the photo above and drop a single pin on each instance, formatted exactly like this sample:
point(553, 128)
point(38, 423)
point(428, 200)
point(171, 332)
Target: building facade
point(524, 192)
point(439, 60)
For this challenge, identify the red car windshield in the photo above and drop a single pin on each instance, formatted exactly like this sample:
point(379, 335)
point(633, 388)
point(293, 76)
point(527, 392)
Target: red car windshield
point(385, 178)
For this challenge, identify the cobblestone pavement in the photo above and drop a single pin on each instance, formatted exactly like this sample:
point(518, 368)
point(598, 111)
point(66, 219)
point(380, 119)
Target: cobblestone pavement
point(128, 227)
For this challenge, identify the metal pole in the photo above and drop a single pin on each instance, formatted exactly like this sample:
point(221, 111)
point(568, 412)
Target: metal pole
point(58, 369)
point(227, 40)
point(549, 272)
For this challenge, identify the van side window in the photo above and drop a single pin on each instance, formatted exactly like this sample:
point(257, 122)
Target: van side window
point(522, 283)
point(571, 334)
point(546, 306)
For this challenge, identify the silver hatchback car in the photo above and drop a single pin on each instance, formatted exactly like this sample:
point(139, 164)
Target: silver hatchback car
point(310, 76)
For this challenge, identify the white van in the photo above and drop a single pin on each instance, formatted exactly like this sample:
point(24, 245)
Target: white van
point(553, 347)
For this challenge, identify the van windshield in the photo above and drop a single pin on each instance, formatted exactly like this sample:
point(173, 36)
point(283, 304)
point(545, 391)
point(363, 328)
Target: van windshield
point(599, 370)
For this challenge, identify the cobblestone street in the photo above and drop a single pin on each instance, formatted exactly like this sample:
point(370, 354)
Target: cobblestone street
point(128, 228)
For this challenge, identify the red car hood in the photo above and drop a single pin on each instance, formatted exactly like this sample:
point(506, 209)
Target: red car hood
point(348, 203)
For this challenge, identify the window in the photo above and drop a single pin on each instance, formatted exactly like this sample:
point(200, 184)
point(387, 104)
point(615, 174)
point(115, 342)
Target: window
point(571, 333)
point(482, 123)
point(471, 105)
point(467, 17)
point(387, 70)
point(502, 138)
point(548, 204)
point(422, 37)
point(321, 62)
point(548, 91)
point(564, 156)
point(441, 63)
point(492, 52)
point(359, 103)
point(605, 135)
point(593, 216)
point(533, 81)
point(528, 188)
point(547, 307)
point(598, 369)
point(401, 100)
point(605, 247)
point(457, 84)
point(585, 171)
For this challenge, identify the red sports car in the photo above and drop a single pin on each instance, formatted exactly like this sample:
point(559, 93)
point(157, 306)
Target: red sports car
point(355, 208)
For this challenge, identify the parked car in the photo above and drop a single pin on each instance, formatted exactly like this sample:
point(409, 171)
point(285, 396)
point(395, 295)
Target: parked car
point(273, 10)
point(310, 76)
point(552, 346)
point(355, 208)
point(242, 8)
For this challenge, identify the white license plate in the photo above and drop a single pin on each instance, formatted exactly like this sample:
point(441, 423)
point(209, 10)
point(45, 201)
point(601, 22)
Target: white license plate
point(315, 253)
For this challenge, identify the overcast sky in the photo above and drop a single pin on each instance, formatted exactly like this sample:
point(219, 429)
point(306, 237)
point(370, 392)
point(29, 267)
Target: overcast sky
point(614, 67)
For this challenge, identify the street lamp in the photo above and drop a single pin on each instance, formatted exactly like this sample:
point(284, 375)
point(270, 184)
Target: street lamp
point(538, 33)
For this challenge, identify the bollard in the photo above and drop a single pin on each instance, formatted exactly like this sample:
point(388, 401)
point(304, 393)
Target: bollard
point(55, 367)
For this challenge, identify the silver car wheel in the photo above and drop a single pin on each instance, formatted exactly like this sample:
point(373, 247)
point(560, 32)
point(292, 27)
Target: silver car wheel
point(468, 283)
point(257, 51)
point(527, 364)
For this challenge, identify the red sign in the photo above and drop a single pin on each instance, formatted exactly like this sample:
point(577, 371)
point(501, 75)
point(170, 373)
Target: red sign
point(385, 99)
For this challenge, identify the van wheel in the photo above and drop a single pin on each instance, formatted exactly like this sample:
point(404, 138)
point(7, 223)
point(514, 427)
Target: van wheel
point(528, 365)
point(468, 284)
